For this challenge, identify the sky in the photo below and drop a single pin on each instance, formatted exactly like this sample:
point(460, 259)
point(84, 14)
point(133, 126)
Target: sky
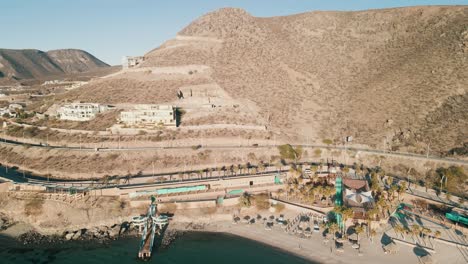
point(111, 29)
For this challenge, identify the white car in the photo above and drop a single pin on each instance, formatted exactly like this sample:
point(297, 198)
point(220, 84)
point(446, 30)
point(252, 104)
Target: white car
point(316, 228)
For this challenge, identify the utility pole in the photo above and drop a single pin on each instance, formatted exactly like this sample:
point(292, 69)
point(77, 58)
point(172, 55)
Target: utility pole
point(441, 181)
point(427, 152)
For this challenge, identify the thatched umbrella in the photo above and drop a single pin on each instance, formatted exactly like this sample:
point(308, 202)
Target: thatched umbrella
point(427, 259)
point(340, 240)
point(391, 247)
point(353, 236)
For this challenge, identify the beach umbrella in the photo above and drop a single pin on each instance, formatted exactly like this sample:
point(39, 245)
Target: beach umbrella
point(353, 236)
point(427, 259)
point(339, 240)
point(391, 247)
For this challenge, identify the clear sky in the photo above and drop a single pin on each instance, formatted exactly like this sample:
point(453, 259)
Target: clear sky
point(110, 29)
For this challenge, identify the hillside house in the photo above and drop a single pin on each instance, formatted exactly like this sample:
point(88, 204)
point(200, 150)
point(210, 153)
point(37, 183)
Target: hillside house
point(80, 111)
point(149, 115)
point(130, 62)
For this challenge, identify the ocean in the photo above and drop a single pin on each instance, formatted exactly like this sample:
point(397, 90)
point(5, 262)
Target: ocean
point(192, 247)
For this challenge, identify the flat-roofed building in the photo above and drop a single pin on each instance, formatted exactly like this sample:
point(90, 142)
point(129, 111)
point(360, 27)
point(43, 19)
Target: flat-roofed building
point(149, 115)
point(80, 111)
point(132, 61)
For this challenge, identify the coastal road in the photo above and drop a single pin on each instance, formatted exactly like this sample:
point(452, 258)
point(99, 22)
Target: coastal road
point(238, 146)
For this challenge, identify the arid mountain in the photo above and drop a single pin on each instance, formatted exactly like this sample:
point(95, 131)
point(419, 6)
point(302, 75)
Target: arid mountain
point(391, 78)
point(36, 64)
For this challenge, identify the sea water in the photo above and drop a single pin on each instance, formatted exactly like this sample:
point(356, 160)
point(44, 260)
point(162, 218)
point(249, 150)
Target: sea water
point(193, 248)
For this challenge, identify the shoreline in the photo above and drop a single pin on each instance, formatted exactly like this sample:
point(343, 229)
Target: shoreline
point(313, 249)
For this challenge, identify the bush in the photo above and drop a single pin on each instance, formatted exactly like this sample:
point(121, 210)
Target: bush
point(196, 147)
point(262, 201)
point(279, 207)
point(244, 200)
point(169, 207)
point(318, 152)
point(33, 207)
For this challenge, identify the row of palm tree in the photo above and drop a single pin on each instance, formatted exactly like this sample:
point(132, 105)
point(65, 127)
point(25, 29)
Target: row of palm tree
point(416, 231)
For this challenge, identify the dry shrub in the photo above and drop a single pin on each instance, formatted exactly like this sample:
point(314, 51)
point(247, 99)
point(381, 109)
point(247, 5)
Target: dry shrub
point(168, 207)
point(279, 207)
point(209, 210)
point(33, 207)
point(262, 201)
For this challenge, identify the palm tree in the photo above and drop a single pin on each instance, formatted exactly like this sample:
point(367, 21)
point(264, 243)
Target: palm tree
point(372, 234)
point(392, 191)
point(245, 167)
point(437, 234)
point(415, 231)
point(248, 166)
point(401, 189)
point(319, 191)
point(359, 230)
point(399, 229)
point(346, 213)
point(328, 192)
point(333, 228)
point(425, 232)
point(261, 167)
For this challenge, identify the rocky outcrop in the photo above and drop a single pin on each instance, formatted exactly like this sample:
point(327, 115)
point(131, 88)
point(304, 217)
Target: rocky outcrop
point(33, 237)
point(5, 222)
point(99, 232)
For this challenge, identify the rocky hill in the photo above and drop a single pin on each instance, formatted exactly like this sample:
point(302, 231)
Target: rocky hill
point(391, 78)
point(36, 64)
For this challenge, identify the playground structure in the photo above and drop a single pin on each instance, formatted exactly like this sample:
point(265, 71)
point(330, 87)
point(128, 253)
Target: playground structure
point(457, 217)
point(149, 225)
point(339, 200)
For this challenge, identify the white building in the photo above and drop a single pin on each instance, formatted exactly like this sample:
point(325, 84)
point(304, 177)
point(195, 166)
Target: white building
point(130, 62)
point(80, 111)
point(15, 107)
point(152, 115)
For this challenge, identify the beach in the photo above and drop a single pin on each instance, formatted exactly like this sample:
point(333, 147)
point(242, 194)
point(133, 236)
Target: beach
point(314, 248)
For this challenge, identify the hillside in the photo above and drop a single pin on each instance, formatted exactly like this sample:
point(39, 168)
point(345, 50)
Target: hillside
point(391, 78)
point(36, 64)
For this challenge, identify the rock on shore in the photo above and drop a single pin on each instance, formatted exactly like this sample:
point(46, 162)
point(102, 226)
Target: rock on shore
point(33, 237)
point(99, 233)
point(102, 233)
point(5, 222)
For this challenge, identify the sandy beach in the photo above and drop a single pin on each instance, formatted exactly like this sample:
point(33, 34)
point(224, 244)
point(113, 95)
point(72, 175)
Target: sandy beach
point(316, 250)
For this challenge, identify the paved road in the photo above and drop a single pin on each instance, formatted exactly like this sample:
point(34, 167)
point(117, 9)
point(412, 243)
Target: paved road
point(140, 180)
point(207, 146)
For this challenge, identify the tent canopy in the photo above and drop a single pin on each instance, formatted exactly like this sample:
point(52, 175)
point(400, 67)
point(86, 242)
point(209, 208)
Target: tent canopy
point(363, 197)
